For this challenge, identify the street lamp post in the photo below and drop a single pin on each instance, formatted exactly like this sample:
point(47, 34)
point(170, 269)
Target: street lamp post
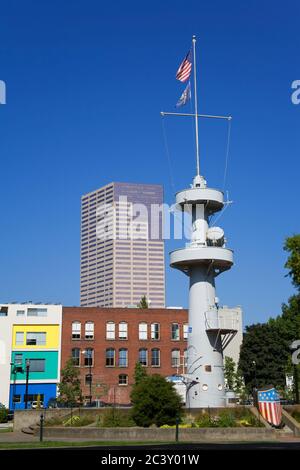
point(14, 373)
point(255, 385)
point(27, 379)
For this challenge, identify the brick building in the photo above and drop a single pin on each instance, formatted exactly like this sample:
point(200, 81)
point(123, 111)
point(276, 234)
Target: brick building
point(108, 342)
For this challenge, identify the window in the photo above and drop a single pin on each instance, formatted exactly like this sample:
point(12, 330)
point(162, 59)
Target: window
point(123, 330)
point(35, 397)
point(110, 357)
point(110, 330)
point(175, 332)
point(36, 312)
point(18, 364)
point(175, 358)
point(3, 311)
point(17, 399)
point(76, 330)
point(20, 313)
point(123, 379)
point(143, 331)
point(185, 331)
point(36, 339)
point(88, 357)
point(123, 357)
point(37, 365)
point(155, 333)
point(155, 357)
point(143, 357)
point(19, 338)
point(18, 359)
point(185, 358)
point(76, 356)
point(89, 330)
point(88, 379)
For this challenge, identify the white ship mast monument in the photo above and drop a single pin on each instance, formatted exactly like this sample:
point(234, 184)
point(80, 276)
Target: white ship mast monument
point(202, 260)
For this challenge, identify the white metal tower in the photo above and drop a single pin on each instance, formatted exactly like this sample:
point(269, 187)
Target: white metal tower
point(203, 259)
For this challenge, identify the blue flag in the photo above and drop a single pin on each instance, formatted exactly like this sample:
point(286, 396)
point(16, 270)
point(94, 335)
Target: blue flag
point(185, 97)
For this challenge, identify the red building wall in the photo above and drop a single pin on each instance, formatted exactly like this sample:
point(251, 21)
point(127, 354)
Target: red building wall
point(105, 382)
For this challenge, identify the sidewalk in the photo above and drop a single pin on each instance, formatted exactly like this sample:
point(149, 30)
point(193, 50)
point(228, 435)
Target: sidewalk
point(17, 437)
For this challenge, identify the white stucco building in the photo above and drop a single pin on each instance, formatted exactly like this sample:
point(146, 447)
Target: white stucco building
point(29, 332)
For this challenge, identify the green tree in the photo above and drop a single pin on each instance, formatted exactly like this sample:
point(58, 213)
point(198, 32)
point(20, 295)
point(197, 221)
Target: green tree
point(155, 401)
point(3, 413)
point(69, 388)
point(139, 373)
point(229, 372)
point(268, 345)
point(234, 377)
point(292, 246)
point(264, 355)
point(143, 302)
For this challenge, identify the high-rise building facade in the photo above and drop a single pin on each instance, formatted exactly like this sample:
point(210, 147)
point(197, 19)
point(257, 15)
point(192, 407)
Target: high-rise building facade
point(122, 248)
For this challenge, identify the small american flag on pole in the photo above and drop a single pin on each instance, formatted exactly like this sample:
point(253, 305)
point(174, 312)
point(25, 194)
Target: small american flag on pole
point(269, 406)
point(185, 68)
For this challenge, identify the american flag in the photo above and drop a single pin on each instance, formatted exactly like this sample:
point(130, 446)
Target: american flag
point(269, 406)
point(185, 97)
point(184, 71)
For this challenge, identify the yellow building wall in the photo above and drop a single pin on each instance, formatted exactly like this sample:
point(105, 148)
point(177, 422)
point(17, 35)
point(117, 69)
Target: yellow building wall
point(52, 336)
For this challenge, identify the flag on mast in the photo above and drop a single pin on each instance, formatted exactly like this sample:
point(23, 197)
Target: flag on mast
point(185, 68)
point(185, 97)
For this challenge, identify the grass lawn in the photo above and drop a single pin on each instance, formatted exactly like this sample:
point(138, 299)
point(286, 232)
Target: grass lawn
point(47, 444)
point(6, 430)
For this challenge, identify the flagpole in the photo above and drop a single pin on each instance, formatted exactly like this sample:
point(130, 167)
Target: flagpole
point(196, 108)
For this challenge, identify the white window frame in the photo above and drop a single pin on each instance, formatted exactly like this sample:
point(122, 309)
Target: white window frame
point(89, 330)
point(143, 331)
point(110, 330)
point(178, 332)
point(19, 334)
point(123, 330)
point(76, 329)
point(175, 358)
point(37, 335)
point(153, 331)
point(185, 331)
point(146, 351)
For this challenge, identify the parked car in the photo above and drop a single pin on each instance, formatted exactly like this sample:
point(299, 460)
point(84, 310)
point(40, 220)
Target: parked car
point(35, 405)
point(54, 403)
point(95, 404)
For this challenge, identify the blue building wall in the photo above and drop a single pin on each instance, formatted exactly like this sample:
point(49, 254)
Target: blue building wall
point(46, 389)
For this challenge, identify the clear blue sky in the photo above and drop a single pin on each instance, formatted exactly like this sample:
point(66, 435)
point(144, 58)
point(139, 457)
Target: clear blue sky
point(86, 81)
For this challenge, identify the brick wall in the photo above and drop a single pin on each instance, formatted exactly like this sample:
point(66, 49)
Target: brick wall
point(106, 379)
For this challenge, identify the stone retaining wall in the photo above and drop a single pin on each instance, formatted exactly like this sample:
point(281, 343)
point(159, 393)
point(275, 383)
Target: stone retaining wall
point(161, 435)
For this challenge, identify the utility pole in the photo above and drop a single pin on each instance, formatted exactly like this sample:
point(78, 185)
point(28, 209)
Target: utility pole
point(26, 386)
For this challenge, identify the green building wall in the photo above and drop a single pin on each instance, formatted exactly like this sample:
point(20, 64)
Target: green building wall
point(51, 365)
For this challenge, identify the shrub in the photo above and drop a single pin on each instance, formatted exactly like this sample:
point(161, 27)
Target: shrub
point(226, 419)
point(54, 421)
point(155, 402)
point(233, 417)
point(3, 413)
point(296, 415)
point(204, 420)
point(113, 418)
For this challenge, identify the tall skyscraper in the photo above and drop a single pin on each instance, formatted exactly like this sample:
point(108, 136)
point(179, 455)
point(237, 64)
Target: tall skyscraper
point(122, 248)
